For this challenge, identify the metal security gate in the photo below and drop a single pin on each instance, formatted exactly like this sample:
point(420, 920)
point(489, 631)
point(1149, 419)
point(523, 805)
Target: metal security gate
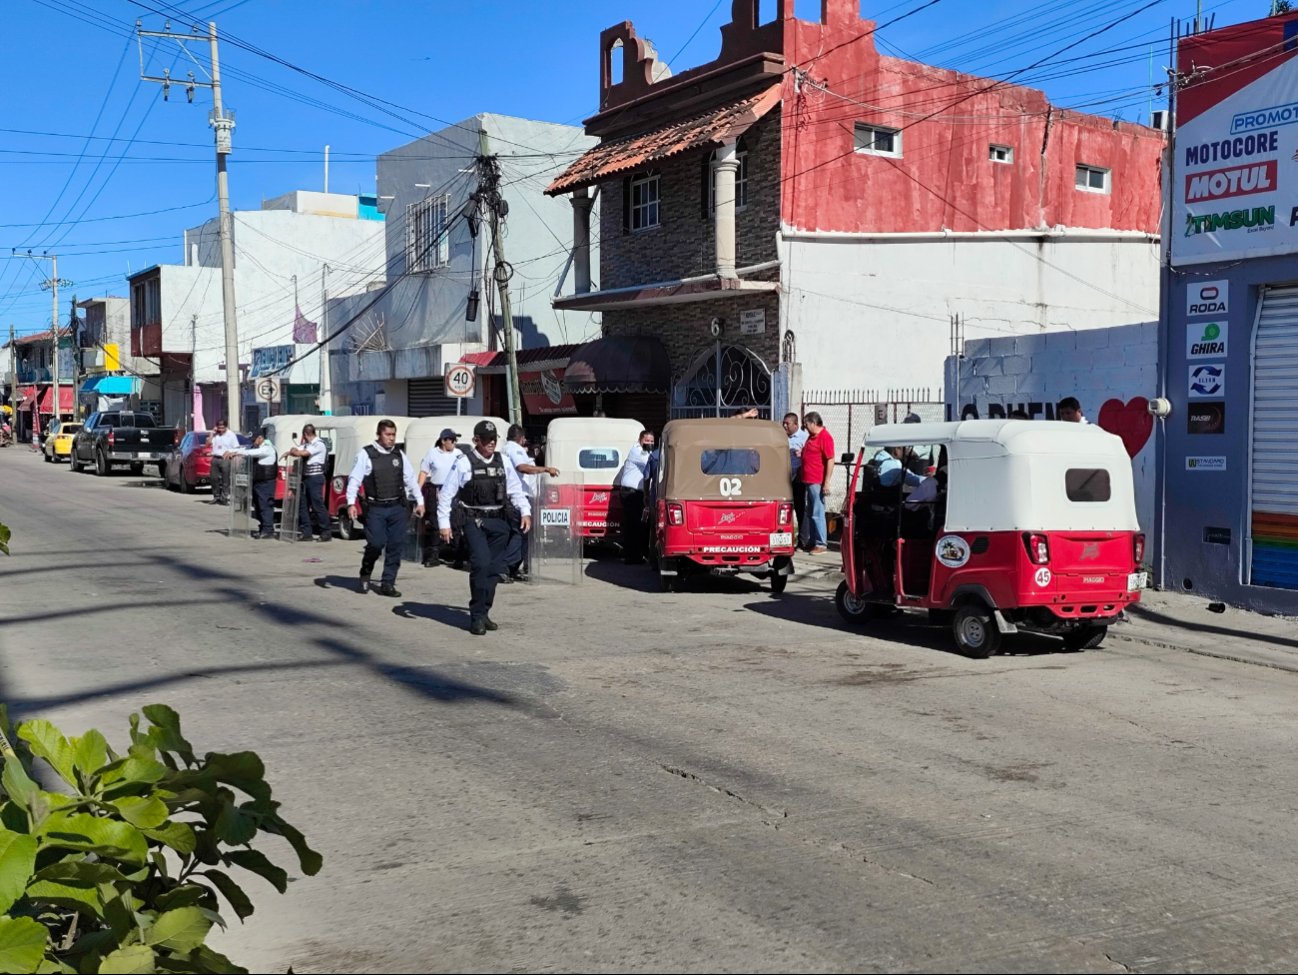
point(725, 380)
point(427, 397)
point(1273, 475)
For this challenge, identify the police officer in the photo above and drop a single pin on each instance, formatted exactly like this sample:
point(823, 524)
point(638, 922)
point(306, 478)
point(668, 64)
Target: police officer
point(433, 470)
point(484, 487)
point(265, 470)
point(389, 480)
point(311, 505)
point(515, 451)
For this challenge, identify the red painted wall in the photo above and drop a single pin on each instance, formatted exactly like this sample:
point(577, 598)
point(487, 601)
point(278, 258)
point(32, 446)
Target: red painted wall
point(944, 178)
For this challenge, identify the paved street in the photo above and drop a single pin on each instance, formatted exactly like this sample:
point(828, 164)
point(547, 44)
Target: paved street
point(715, 780)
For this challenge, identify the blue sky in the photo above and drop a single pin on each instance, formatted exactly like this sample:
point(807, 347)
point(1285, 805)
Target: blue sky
point(70, 69)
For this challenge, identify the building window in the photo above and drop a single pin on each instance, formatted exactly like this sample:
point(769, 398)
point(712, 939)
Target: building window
point(1092, 179)
point(644, 203)
point(427, 234)
point(1000, 154)
point(741, 182)
point(146, 302)
point(878, 140)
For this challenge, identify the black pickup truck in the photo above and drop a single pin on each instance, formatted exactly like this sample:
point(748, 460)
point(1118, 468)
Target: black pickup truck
point(121, 437)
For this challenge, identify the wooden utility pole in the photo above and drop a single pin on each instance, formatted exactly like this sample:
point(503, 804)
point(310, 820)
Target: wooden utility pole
point(498, 208)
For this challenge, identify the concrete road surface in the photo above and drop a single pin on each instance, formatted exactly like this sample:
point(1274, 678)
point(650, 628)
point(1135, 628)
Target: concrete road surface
point(623, 780)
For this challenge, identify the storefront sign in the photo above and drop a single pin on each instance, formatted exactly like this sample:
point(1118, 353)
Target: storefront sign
point(1207, 298)
point(1205, 463)
point(1206, 417)
point(270, 359)
point(1237, 176)
point(1216, 536)
point(752, 321)
point(1204, 339)
point(544, 395)
point(1208, 381)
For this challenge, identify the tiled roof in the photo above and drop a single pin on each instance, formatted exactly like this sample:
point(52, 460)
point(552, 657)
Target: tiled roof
point(713, 127)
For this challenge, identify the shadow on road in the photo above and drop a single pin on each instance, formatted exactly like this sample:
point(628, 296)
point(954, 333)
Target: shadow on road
point(437, 612)
point(1140, 611)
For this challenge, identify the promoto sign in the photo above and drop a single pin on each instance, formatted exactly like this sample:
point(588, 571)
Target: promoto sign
point(1235, 140)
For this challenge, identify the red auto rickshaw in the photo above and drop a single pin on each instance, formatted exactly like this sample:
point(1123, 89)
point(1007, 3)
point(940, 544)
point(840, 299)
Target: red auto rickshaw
point(1023, 526)
point(722, 502)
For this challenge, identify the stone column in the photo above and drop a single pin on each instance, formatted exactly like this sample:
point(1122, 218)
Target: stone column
point(725, 171)
point(581, 205)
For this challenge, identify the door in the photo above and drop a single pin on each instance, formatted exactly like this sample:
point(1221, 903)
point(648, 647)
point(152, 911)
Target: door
point(1273, 477)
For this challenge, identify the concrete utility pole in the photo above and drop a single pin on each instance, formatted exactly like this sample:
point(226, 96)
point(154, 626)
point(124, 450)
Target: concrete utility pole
point(51, 284)
point(223, 124)
point(326, 376)
point(489, 195)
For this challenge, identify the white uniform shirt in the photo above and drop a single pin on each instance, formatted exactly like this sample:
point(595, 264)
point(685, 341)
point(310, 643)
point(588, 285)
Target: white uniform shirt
point(925, 493)
point(361, 470)
point(265, 455)
point(317, 452)
point(632, 473)
point(437, 463)
point(222, 442)
point(516, 454)
point(460, 475)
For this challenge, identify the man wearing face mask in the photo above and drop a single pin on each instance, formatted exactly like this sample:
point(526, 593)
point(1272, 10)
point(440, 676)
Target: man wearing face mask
point(630, 484)
point(487, 492)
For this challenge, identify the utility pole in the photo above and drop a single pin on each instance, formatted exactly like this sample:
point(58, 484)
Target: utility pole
point(489, 195)
point(223, 124)
point(326, 376)
point(13, 380)
point(51, 284)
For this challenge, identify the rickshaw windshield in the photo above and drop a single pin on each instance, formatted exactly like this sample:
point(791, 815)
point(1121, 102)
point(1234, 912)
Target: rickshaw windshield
point(599, 458)
point(730, 460)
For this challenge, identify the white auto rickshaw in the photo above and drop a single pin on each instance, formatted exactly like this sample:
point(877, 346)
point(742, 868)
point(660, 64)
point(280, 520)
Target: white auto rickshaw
point(589, 452)
point(347, 436)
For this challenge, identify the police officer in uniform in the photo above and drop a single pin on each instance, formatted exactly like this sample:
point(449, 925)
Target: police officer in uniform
point(389, 480)
point(484, 488)
point(265, 471)
point(311, 505)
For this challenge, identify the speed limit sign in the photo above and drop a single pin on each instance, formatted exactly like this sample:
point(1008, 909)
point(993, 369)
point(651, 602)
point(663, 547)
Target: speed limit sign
point(267, 388)
point(459, 380)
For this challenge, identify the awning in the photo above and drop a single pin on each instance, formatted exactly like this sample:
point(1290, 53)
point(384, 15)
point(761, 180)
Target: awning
point(112, 385)
point(27, 396)
point(66, 404)
point(712, 128)
point(619, 364)
point(529, 360)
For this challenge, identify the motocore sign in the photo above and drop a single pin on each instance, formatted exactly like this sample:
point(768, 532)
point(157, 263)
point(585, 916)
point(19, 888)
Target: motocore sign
point(1236, 148)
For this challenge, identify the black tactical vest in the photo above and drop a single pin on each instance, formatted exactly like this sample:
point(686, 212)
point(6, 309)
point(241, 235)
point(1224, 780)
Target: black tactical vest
point(386, 479)
point(263, 472)
point(486, 487)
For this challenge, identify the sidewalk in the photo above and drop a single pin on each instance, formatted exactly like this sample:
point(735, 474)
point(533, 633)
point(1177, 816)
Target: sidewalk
point(1171, 620)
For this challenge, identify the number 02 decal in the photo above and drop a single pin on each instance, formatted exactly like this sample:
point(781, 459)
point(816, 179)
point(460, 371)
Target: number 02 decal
point(731, 487)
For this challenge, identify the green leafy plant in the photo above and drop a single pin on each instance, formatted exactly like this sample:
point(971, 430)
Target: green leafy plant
point(126, 871)
point(4, 538)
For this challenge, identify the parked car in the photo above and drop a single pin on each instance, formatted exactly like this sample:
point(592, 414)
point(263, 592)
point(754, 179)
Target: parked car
point(58, 445)
point(189, 465)
point(121, 437)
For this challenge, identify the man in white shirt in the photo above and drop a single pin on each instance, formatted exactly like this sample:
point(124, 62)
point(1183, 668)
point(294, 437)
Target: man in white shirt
point(265, 471)
point(483, 486)
point(630, 484)
point(389, 480)
point(433, 471)
point(223, 441)
point(311, 509)
point(515, 451)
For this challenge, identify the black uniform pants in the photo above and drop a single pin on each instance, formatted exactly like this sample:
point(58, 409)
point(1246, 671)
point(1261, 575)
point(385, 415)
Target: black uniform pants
point(487, 539)
point(311, 508)
point(632, 523)
point(385, 531)
point(263, 505)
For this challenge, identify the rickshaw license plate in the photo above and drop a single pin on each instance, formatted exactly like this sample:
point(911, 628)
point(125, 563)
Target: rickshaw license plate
point(1136, 581)
point(781, 539)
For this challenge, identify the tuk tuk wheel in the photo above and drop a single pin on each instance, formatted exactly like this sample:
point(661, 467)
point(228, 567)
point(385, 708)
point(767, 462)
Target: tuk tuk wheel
point(975, 631)
point(347, 529)
point(1085, 637)
point(778, 582)
point(852, 608)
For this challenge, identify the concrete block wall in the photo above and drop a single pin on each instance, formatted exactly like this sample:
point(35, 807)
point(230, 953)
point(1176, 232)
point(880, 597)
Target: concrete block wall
point(1112, 371)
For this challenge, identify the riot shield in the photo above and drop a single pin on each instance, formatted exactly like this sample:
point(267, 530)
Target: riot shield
point(242, 523)
point(413, 550)
point(294, 486)
point(554, 545)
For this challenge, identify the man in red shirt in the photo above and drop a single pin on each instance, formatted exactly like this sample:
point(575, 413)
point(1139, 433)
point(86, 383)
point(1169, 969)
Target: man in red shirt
point(817, 466)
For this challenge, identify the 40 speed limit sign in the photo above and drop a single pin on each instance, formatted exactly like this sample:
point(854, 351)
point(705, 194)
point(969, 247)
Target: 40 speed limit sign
point(459, 380)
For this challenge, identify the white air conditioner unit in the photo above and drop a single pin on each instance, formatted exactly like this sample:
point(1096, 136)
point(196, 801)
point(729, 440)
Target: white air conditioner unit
point(1158, 120)
point(92, 358)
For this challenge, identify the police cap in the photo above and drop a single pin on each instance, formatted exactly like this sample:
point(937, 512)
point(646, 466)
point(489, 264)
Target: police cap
point(485, 431)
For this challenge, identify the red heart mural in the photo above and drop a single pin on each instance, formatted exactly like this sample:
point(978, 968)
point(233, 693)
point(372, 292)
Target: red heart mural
point(1131, 421)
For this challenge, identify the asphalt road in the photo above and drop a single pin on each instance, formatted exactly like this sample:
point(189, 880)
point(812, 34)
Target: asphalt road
point(715, 780)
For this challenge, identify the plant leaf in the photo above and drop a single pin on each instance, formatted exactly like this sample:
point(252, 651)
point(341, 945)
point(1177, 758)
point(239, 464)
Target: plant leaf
point(134, 770)
point(165, 732)
point(22, 945)
point(17, 860)
point(15, 781)
point(231, 891)
point(310, 860)
point(179, 836)
point(4, 539)
point(89, 753)
point(47, 742)
point(257, 862)
point(132, 960)
point(104, 837)
point(146, 813)
point(185, 895)
point(233, 825)
point(180, 930)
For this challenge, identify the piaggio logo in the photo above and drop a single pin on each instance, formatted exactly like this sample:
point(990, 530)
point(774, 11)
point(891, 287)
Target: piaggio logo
point(1258, 218)
point(1218, 184)
point(1090, 551)
point(727, 518)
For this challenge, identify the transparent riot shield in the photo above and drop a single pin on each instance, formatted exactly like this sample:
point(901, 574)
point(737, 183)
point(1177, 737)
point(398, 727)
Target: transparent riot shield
point(242, 523)
point(554, 544)
point(294, 486)
point(414, 549)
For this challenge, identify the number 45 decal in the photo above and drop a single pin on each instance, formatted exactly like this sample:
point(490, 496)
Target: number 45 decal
point(731, 487)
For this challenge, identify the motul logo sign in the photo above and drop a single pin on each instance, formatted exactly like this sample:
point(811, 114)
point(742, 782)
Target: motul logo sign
point(1233, 181)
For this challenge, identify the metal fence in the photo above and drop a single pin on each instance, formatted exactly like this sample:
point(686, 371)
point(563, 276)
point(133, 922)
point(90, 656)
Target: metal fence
point(849, 414)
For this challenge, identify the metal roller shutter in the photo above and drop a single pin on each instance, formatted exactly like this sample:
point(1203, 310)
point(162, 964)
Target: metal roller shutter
point(1274, 480)
point(427, 397)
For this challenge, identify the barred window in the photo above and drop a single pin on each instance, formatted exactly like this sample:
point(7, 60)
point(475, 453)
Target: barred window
point(427, 234)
